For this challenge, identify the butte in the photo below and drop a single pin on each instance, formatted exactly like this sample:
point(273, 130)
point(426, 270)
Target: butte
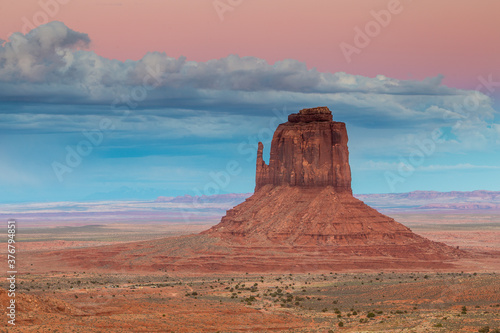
point(303, 200)
point(301, 218)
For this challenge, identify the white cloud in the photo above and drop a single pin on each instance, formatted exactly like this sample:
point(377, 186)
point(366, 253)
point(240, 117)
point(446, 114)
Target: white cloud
point(52, 54)
point(378, 165)
point(462, 166)
point(40, 53)
point(50, 66)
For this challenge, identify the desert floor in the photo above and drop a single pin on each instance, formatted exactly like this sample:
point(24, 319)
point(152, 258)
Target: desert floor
point(463, 300)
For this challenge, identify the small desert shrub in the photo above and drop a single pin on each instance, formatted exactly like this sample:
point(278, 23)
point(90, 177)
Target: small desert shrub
point(484, 329)
point(370, 315)
point(341, 324)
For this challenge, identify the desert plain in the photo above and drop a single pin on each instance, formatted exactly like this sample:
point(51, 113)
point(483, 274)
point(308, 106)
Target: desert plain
point(463, 297)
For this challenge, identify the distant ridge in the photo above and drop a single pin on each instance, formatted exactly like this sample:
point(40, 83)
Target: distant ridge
point(216, 198)
point(479, 200)
point(478, 194)
point(421, 200)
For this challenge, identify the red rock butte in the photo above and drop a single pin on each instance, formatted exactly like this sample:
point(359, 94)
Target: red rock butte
point(303, 198)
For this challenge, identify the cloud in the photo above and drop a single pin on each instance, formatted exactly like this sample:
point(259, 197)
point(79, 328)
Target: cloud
point(52, 54)
point(49, 70)
point(462, 166)
point(42, 55)
point(378, 165)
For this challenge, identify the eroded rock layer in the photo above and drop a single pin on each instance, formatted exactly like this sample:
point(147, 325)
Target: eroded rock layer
point(311, 217)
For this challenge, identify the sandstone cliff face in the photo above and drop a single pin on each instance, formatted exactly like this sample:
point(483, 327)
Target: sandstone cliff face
point(309, 150)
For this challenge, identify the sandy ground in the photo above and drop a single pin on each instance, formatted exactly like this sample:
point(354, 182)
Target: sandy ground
point(359, 302)
point(165, 302)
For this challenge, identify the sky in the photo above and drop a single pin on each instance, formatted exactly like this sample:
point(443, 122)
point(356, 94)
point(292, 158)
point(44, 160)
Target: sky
point(108, 99)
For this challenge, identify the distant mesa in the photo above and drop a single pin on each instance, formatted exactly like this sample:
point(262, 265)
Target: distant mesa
point(416, 200)
point(431, 195)
point(203, 199)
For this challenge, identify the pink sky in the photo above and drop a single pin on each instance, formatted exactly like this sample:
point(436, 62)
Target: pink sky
point(457, 38)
